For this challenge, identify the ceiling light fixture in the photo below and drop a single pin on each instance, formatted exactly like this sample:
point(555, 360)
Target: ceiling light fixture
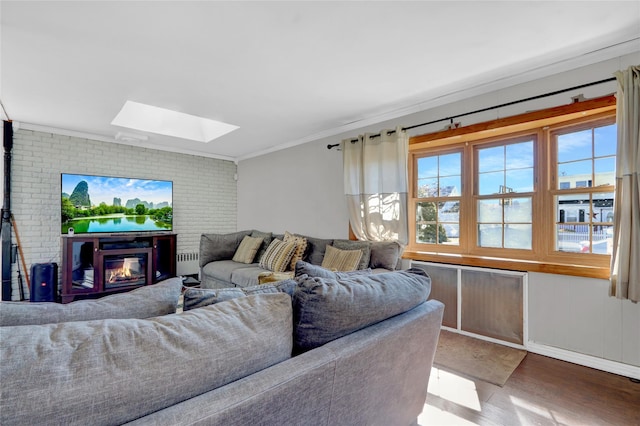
point(148, 118)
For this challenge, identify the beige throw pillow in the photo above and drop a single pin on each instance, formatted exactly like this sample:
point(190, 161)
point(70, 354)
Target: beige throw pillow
point(341, 260)
point(301, 247)
point(246, 251)
point(278, 255)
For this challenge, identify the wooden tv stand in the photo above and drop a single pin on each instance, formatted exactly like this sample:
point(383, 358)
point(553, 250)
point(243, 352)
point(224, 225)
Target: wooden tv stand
point(95, 265)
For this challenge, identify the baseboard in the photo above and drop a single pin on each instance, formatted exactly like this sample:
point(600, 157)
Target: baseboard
point(609, 366)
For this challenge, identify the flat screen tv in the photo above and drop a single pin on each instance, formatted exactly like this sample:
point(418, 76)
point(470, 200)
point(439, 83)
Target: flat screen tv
point(99, 204)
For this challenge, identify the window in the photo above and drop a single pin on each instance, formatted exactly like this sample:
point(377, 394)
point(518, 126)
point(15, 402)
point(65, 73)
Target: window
point(504, 195)
point(536, 195)
point(438, 188)
point(584, 211)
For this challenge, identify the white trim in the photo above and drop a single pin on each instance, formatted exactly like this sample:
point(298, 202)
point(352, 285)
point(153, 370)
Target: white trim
point(86, 135)
point(609, 366)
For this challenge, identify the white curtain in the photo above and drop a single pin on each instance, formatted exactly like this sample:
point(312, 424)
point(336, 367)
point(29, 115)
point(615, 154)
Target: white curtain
point(625, 259)
point(375, 184)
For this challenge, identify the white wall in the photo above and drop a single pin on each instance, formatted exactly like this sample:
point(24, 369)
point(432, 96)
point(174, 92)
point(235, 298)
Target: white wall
point(204, 189)
point(300, 189)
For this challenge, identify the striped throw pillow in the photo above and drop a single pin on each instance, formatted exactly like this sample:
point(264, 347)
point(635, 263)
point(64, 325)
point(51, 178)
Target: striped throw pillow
point(278, 255)
point(301, 247)
point(341, 260)
point(246, 251)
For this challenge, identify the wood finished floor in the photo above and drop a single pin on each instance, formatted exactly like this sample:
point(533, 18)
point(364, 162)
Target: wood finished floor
point(541, 391)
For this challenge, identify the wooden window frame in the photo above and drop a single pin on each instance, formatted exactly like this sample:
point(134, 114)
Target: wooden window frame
point(540, 125)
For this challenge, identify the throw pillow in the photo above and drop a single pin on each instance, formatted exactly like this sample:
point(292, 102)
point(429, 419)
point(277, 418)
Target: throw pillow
point(278, 255)
point(200, 297)
point(316, 248)
point(266, 240)
point(219, 246)
point(325, 309)
point(305, 269)
point(341, 260)
point(385, 254)
point(364, 246)
point(247, 250)
point(301, 247)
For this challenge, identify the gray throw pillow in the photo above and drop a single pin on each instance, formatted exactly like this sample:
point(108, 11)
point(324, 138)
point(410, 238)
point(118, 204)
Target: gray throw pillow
point(144, 302)
point(200, 297)
point(306, 268)
point(115, 371)
point(385, 254)
point(325, 309)
point(316, 248)
point(266, 240)
point(219, 246)
point(364, 246)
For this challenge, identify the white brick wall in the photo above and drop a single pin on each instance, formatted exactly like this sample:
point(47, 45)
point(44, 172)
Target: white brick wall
point(204, 189)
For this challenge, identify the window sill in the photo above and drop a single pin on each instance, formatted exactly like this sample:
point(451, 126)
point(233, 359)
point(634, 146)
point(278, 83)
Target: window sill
point(509, 264)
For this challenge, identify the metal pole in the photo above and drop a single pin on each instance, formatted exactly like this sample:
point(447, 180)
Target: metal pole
point(6, 212)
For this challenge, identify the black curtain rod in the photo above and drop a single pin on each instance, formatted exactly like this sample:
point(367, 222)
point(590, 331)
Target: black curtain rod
point(451, 118)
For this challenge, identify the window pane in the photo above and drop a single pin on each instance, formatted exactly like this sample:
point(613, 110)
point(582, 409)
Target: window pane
point(427, 167)
point(450, 186)
point(490, 183)
point(603, 207)
point(605, 171)
point(517, 210)
point(452, 231)
point(426, 212)
point(426, 234)
point(427, 187)
point(582, 223)
point(577, 173)
point(519, 180)
point(490, 236)
point(519, 155)
point(450, 164)
point(574, 146)
point(517, 236)
point(489, 211)
point(491, 159)
point(605, 140)
point(573, 208)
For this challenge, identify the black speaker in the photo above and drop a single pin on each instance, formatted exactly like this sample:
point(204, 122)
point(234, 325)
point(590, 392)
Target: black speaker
point(44, 282)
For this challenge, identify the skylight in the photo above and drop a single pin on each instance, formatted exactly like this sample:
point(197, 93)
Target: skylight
point(148, 118)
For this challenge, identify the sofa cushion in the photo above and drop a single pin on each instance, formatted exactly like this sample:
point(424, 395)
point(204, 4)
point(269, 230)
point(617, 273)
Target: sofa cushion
point(341, 260)
point(267, 237)
point(199, 297)
point(307, 269)
point(325, 309)
point(221, 270)
point(278, 255)
point(219, 246)
point(316, 248)
point(114, 371)
point(301, 248)
point(385, 254)
point(144, 302)
point(364, 246)
point(246, 251)
point(244, 277)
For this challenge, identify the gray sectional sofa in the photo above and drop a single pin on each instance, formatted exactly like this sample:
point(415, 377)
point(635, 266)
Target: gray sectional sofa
point(219, 270)
point(324, 348)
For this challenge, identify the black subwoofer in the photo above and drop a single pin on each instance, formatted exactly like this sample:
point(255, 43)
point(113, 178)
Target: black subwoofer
point(44, 282)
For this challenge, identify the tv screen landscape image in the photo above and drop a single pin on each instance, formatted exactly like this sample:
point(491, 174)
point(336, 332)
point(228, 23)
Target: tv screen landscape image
point(98, 204)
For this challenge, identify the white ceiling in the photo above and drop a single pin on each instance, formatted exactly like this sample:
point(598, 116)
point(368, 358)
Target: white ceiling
point(285, 72)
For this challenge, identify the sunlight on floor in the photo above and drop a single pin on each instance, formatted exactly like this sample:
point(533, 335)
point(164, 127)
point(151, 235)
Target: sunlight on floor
point(454, 388)
point(526, 410)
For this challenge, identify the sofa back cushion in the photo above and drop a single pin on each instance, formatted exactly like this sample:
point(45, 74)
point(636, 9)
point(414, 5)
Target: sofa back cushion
point(114, 371)
point(219, 246)
point(385, 254)
point(143, 302)
point(328, 308)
